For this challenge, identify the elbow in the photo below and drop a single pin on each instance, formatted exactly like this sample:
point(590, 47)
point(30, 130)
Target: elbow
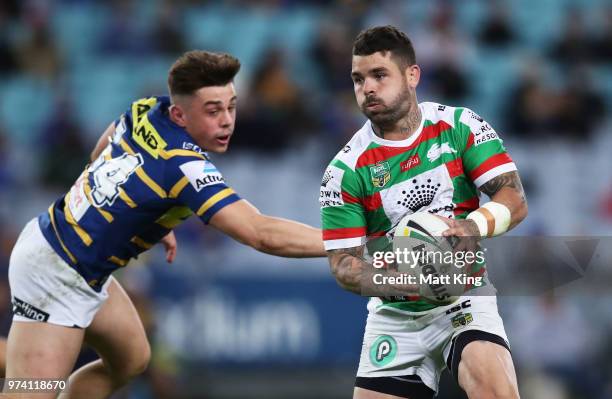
point(262, 242)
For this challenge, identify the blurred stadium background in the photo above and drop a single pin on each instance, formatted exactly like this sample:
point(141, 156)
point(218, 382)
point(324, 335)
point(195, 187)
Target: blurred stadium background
point(226, 322)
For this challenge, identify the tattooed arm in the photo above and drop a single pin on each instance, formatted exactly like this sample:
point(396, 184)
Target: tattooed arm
point(353, 273)
point(508, 190)
point(348, 267)
point(505, 189)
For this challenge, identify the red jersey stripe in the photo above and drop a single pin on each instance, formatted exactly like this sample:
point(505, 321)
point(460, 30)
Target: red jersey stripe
point(382, 153)
point(454, 167)
point(466, 206)
point(344, 232)
point(490, 163)
point(372, 202)
point(346, 197)
point(470, 141)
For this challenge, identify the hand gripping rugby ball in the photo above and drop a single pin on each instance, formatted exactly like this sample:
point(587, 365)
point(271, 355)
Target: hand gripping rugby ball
point(421, 251)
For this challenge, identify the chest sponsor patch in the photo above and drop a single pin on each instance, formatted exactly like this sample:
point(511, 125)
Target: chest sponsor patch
point(331, 187)
point(201, 174)
point(410, 163)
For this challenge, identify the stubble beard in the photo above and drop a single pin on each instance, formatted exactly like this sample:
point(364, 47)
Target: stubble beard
point(392, 113)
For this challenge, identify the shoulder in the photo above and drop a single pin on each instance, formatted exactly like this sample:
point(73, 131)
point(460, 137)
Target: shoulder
point(349, 154)
point(437, 113)
point(200, 173)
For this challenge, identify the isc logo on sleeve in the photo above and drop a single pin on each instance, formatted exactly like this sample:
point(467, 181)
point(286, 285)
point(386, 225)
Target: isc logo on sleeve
point(201, 174)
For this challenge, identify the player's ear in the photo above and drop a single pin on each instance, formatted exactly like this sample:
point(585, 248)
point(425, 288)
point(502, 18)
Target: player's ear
point(177, 115)
point(413, 75)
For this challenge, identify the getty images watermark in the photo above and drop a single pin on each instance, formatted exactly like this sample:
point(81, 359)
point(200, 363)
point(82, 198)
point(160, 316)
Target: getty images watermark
point(419, 266)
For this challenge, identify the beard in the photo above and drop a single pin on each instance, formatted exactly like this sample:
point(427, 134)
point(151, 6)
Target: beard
point(391, 113)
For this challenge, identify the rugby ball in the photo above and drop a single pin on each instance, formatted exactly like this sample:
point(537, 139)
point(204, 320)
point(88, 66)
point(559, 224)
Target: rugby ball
point(422, 252)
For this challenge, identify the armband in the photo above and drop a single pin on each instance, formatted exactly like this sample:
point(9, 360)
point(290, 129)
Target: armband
point(491, 218)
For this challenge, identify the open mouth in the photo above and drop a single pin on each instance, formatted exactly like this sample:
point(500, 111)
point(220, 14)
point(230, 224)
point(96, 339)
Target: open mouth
point(223, 140)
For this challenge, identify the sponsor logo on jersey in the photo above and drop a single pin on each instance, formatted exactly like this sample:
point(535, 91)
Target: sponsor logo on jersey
point(144, 133)
point(436, 151)
point(461, 319)
point(201, 174)
point(380, 173)
point(192, 147)
point(383, 350)
point(346, 149)
point(474, 115)
point(463, 305)
point(410, 163)
point(441, 107)
point(24, 309)
point(484, 133)
point(420, 194)
point(331, 191)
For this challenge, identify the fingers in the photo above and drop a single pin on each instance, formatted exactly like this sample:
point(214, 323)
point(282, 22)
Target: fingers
point(169, 242)
point(170, 253)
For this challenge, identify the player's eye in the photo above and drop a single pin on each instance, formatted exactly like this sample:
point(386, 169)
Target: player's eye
point(379, 76)
point(214, 112)
point(357, 80)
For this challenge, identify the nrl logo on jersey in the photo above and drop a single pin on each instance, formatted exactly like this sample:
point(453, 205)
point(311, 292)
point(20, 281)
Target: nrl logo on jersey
point(437, 150)
point(381, 174)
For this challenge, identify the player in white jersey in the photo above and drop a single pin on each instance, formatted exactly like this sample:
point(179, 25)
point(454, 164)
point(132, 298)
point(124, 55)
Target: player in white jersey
point(413, 157)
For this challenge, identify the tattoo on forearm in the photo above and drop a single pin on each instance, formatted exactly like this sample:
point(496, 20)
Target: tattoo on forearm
point(348, 266)
point(509, 179)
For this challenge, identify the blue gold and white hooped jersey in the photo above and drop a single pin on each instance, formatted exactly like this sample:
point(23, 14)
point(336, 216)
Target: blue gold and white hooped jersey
point(150, 178)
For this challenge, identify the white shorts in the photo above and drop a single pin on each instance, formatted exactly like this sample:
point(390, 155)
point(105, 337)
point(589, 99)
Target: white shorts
point(44, 288)
point(398, 344)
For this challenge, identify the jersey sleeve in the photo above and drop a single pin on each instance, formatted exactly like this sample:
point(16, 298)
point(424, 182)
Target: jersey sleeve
point(342, 214)
point(484, 155)
point(201, 187)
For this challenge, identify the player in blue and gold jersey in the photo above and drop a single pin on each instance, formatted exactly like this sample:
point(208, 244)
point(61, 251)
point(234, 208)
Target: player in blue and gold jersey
point(149, 172)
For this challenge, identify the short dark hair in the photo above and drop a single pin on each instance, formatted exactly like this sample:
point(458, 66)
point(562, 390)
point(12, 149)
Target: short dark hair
point(196, 69)
point(383, 39)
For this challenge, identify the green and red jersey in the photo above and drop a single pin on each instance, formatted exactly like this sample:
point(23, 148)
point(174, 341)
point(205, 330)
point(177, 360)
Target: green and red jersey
point(372, 182)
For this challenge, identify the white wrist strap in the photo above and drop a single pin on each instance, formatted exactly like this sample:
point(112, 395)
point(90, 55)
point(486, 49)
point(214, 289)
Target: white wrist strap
point(492, 219)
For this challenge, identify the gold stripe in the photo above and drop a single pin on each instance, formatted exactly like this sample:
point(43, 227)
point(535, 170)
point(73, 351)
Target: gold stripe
point(490, 220)
point(178, 187)
point(52, 217)
point(141, 243)
point(142, 174)
point(180, 152)
point(174, 216)
point(107, 215)
point(126, 198)
point(85, 237)
point(149, 182)
point(214, 199)
point(117, 261)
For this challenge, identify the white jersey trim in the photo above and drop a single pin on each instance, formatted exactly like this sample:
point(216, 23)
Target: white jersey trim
point(397, 143)
point(496, 171)
point(344, 243)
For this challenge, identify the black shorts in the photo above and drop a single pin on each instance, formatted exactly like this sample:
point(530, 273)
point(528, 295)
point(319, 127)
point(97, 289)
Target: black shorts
point(411, 386)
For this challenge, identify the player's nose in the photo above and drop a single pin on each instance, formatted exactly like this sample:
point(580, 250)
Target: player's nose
point(226, 119)
point(369, 86)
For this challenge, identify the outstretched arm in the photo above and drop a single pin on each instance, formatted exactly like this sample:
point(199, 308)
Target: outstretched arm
point(276, 236)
